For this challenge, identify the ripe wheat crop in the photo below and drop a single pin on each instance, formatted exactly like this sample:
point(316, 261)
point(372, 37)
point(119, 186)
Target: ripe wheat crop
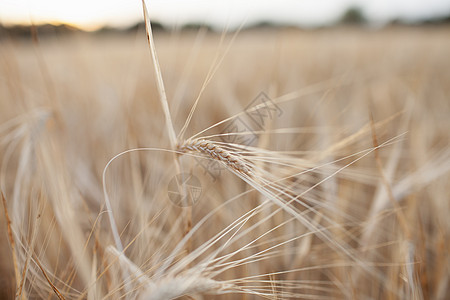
point(315, 165)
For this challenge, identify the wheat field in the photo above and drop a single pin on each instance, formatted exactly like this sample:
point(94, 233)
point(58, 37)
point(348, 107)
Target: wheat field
point(315, 165)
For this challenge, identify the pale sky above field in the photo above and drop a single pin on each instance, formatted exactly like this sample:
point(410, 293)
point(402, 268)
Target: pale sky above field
point(90, 14)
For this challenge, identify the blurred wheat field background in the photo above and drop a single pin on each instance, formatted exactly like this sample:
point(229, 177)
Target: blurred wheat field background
point(350, 194)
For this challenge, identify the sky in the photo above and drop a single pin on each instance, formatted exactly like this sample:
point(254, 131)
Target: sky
point(91, 14)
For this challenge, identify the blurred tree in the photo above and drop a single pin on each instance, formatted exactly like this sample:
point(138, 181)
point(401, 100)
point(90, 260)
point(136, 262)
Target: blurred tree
point(353, 15)
point(196, 26)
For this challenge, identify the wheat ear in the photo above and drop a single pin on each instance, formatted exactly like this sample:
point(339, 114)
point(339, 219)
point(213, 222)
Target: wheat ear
point(175, 287)
point(170, 287)
point(216, 152)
